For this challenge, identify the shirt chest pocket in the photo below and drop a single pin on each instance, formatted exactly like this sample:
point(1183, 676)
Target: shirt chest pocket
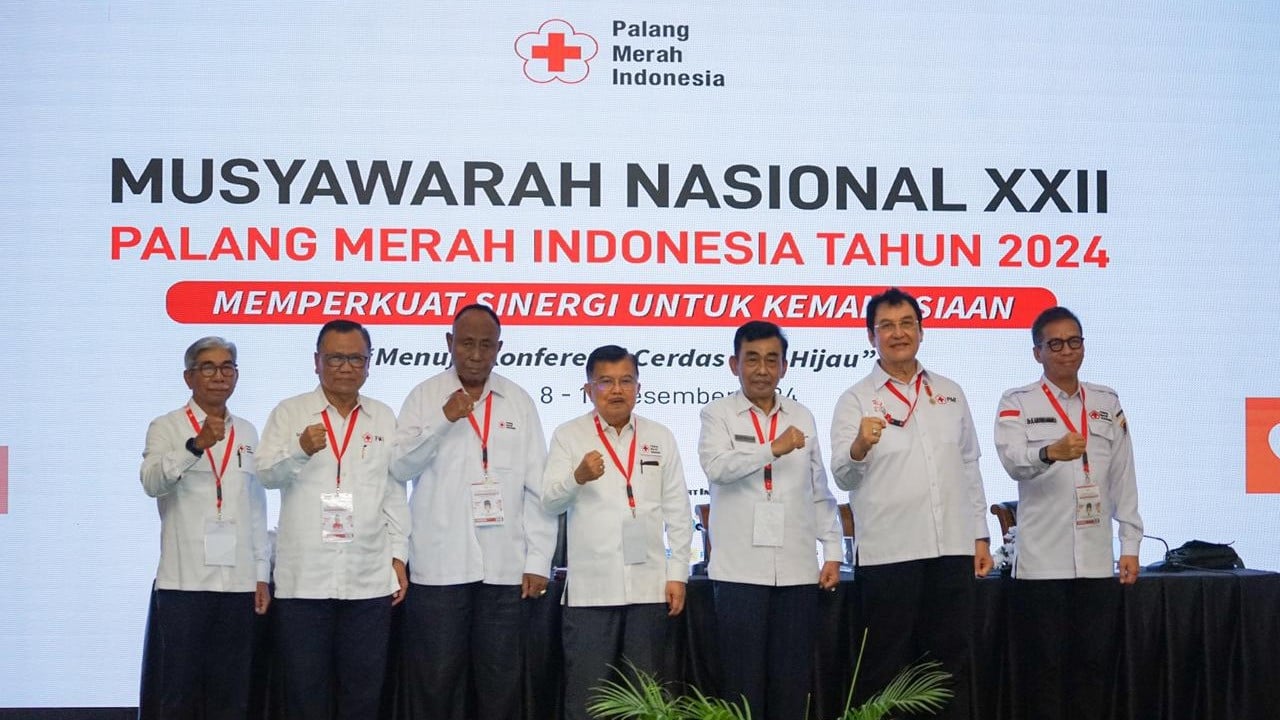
point(1041, 434)
point(1102, 437)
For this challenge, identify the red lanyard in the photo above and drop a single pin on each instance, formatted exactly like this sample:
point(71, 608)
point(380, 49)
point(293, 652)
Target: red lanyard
point(226, 458)
point(484, 436)
point(1084, 420)
point(773, 432)
point(333, 439)
point(631, 462)
point(911, 404)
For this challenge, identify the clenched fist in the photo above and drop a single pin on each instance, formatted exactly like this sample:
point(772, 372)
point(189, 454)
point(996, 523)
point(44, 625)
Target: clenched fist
point(591, 468)
point(313, 439)
point(214, 429)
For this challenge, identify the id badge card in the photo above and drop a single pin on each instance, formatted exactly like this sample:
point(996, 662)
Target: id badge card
point(634, 550)
point(486, 504)
point(337, 521)
point(1088, 506)
point(766, 524)
point(220, 543)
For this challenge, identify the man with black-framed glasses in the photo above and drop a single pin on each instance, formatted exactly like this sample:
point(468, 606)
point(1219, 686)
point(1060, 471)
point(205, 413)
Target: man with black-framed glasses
point(214, 562)
point(342, 541)
point(1066, 443)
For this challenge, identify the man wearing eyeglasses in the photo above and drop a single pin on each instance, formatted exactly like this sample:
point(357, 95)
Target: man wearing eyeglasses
point(472, 442)
point(619, 479)
point(342, 539)
point(1067, 445)
point(214, 561)
point(904, 446)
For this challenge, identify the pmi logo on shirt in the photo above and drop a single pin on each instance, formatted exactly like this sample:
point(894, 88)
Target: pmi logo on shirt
point(556, 51)
point(1262, 445)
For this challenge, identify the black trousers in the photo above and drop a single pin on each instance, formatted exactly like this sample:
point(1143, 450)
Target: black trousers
point(919, 610)
point(1065, 647)
point(766, 636)
point(333, 656)
point(599, 638)
point(463, 650)
point(206, 651)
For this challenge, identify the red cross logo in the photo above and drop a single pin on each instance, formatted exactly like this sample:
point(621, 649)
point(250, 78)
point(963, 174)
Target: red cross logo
point(555, 51)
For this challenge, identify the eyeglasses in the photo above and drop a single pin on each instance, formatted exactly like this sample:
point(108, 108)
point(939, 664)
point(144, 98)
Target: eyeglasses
point(1074, 342)
point(908, 325)
point(208, 370)
point(628, 384)
point(337, 360)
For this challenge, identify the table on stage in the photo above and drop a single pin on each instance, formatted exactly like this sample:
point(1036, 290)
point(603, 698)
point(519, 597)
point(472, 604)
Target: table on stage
point(1196, 645)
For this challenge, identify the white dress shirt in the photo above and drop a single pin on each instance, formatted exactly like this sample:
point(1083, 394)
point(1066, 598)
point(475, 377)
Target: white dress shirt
point(598, 575)
point(918, 492)
point(733, 458)
point(306, 566)
point(444, 459)
point(185, 492)
point(1050, 547)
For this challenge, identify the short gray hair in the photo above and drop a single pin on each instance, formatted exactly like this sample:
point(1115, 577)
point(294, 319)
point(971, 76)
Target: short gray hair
point(212, 342)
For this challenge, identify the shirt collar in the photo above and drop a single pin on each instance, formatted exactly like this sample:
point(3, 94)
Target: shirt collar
point(492, 385)
point(608, 429)
point(880, 377)
point(319, 402)
point(1059, 392)
point(743, 405)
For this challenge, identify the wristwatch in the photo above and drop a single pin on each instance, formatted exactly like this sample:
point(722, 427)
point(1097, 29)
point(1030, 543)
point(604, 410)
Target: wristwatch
point(1045, 456)
point(191, 447)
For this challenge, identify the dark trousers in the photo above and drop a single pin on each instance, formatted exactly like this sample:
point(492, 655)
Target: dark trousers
point(766, 637)
point(463, 637)
point(599, 638)
point(206, 650)
point(919, 610)
point(333, 655)
point(1066, 652)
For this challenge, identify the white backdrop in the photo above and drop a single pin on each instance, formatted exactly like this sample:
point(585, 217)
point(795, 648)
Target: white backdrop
point(1172, 106)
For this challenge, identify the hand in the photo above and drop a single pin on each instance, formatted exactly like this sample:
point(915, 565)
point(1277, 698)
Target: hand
point(212, 432)
point(1068, 447)
point(458, 406)
point(402, 578)
point(868, 435)
point(829, 578)
point(261, 598)
point(982, 558)
point(313, 439)
point(1128, 569)
point(790, 439)
point(675, 598)
point(533, 586)
point(591, 468)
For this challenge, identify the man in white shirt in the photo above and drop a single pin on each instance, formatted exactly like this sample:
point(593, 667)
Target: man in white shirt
point(342, 540)
point(770, 505)
point(903, 444)
point(214, 562)
point(1066, 443)
point(481, 543)
point(619, 478)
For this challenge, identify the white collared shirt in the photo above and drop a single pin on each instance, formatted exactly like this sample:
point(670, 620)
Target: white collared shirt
point(444, 459)
point(1050, 547)
point(306, 566)
point(185, 492)
point(596, 511)
point(733, 458)
point(918, 492)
